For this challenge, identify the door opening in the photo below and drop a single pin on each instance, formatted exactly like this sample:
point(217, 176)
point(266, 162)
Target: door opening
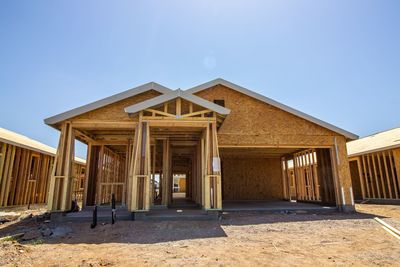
point(179, 186)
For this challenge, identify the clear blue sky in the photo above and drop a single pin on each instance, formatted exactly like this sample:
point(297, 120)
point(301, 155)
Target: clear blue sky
point(336, 60)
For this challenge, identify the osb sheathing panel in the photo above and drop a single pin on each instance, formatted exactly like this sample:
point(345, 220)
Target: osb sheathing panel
point(252, 179)
point(115, 111)
point(253, 122)
point(343, 169)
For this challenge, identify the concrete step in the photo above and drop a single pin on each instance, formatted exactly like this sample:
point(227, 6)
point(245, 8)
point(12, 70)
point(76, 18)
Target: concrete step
point(87, 216)
point(184, 206)
point(173, 215)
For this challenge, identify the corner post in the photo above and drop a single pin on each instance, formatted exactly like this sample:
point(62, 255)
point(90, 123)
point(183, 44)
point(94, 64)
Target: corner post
point(341, 168)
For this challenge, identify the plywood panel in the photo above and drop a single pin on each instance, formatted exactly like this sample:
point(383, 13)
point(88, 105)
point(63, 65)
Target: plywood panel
point(254, 122)
point(115, 111)
point(252, 179)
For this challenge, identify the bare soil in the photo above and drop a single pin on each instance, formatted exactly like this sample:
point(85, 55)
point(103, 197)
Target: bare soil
point(243, 239)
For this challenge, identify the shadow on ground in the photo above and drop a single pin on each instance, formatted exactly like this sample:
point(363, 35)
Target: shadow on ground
point(150, 232)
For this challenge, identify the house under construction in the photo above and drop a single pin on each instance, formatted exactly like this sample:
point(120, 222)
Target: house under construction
point(229, 143)
point(25, 171)
point(375, 166)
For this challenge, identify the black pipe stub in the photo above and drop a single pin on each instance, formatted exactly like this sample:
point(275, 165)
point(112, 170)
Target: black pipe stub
point(94, 223)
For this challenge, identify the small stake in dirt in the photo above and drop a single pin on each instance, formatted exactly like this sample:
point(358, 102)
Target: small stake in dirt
point(113, 210)
point(94, 223)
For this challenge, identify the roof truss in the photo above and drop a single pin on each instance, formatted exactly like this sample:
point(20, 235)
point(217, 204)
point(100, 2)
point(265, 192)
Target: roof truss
point(176, 95)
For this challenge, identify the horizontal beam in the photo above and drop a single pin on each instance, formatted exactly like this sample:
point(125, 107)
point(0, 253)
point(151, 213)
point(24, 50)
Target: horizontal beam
point(177, 123)
point(96, 124)
point(272, 146)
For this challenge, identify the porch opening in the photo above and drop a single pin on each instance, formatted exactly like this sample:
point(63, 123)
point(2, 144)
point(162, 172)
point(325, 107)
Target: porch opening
point(176, 161)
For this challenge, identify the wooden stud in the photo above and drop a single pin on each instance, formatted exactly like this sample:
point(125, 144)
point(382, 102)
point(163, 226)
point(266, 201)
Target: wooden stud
point(383, 154)
point(178, 106)
point(361, 177)
point(370, 176)
point(381, 174)
point(396, 163)
point(390, 155)
point(376, 176)
point(366, 176)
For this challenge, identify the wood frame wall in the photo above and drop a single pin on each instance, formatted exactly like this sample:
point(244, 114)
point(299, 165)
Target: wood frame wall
point(176, 114)
point(25, 175)
point(313, 173)
point(379, 174)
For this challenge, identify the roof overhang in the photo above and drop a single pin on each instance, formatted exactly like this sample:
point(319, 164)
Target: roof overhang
point(22, 141)
point(377, 142)
point(219, 81)
point(106, 101)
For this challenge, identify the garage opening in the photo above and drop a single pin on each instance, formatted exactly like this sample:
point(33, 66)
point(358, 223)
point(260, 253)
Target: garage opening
point(276, 177)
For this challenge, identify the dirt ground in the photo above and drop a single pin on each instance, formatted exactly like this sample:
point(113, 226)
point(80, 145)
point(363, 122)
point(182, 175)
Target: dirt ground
point(243, 239)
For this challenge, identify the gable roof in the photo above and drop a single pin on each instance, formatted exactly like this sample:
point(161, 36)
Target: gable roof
point(19, 140)
point(106, 101)
point(175, 94)
point(377, 142)
point(271, 102)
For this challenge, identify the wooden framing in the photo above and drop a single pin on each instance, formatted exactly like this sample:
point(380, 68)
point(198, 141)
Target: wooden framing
point(25, 175)
point(140, 169)
point(60, 191)
point(154, 126)
point(312, 172)
point(306, 175)
point(379, 174)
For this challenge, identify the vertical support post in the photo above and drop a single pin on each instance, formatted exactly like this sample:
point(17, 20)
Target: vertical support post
point(140, 169)
point(147, 170)
point(87, 170)
point(178, 107)
point(207, 170)
point(67, 187)
point(8, 177)
point(284, 177)
point(361, 177)
point(133, 203)
point(202, 169)
point(61, 181)
point(217, 173)
point(100, 175)
point(165, 174)
point(153, 170)
point(342, 173)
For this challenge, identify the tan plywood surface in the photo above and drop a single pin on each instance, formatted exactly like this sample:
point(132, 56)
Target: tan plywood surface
point(253, 122)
